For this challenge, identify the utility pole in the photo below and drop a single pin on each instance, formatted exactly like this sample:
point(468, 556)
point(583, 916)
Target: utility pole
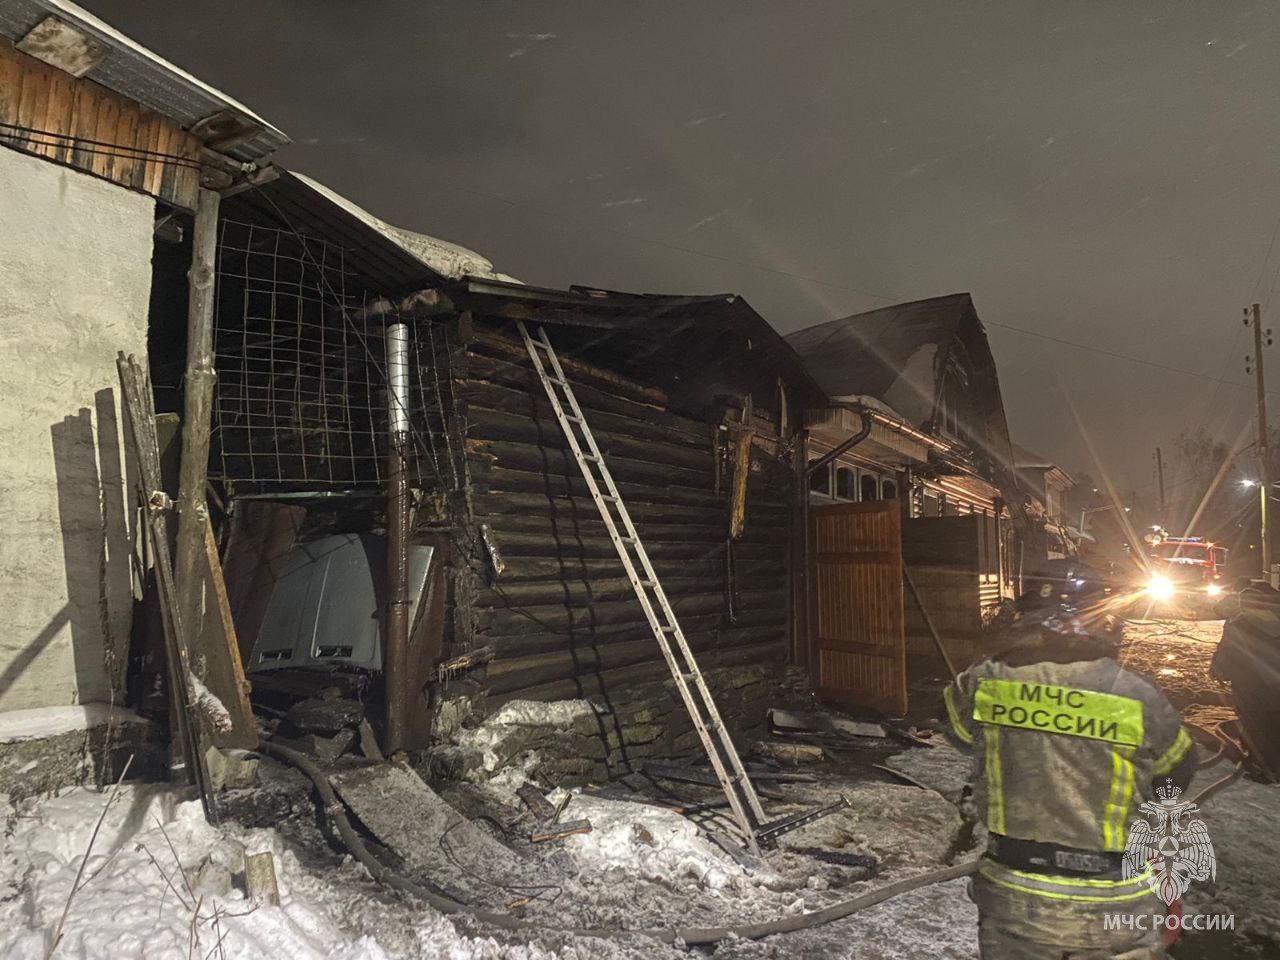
point(1254, 317)
point(1160, 484)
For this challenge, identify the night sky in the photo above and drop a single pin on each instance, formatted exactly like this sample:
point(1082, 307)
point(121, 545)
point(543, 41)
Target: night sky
point(1099, 172)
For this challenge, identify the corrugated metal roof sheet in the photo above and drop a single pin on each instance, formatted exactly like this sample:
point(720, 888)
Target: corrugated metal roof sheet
point(133, 71)
point(384, 258)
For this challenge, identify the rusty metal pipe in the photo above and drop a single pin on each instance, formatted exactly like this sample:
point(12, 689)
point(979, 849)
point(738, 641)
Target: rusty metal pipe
point(396, 652)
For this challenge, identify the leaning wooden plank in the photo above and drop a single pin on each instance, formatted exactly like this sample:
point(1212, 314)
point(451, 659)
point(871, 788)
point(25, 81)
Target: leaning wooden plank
point(188, 740)
point(224, 672)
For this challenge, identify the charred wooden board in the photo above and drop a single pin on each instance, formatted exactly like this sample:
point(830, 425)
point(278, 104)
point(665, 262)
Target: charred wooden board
point(558, 831)
point(435, 842)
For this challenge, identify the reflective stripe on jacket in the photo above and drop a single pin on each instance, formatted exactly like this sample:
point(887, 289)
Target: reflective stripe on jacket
point(1065, 752)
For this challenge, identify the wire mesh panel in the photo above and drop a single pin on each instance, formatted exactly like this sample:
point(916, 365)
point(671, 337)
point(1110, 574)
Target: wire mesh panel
point(300, 397)
point(433, 415)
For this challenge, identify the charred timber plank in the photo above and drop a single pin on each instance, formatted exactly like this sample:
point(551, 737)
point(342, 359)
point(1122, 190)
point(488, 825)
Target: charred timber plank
point(489, 501)
point(605, 682)
point(518, 544)
point(522, 672)
point(556, 462)
point(485, 424)
point(586, 527)
point(501, 503)
point(590, 526)
point(602, 409)
point(560, 627)
point(508, 348)
point(488, 477)
point(503, 373)
point(547, 667)
point(500, 621)
point(537, 569)
point(572, 537)
point(582, 593)
point(592, 636)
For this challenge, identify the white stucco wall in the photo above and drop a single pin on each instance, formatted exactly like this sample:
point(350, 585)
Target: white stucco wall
point(75, 274)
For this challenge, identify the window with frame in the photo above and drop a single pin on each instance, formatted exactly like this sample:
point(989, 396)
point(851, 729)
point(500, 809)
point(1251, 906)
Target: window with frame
point(846, 484)
point(888, 489)
point(820, 480)
point(869, 487)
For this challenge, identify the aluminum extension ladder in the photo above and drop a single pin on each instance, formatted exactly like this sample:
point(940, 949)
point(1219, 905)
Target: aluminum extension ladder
point(653, 599)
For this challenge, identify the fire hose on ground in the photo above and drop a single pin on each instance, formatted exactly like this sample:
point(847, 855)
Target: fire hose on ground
point(337, 813)
point(692, 936)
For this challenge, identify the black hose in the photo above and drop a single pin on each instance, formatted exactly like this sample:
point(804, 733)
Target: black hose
point(689, 935)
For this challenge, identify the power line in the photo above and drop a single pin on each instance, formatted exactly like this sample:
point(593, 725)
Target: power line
point(36, 137)
point(1114, 354)
point(25, 134)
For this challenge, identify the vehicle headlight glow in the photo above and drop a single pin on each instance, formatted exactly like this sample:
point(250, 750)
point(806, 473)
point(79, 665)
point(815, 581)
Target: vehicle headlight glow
point(1160, 588)
point(1214, 589)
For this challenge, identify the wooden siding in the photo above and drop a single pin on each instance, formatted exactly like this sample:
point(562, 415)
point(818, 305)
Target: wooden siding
point(561, 615)
point(859, 654)
point(94, 130)
point(943, 554)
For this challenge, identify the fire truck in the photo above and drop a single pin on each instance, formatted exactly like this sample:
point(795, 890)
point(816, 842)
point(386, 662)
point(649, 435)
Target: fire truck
point(1185, 566)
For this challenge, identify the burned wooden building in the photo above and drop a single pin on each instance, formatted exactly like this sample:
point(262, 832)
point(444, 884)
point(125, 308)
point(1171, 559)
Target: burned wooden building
point(518, 591)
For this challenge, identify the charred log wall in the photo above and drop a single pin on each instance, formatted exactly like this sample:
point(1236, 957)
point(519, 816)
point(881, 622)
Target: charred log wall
point(546, 590)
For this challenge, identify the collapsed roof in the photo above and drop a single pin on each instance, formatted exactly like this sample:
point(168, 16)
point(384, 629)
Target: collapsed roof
point(898, 355)
point(657, 338)
point(385, 259)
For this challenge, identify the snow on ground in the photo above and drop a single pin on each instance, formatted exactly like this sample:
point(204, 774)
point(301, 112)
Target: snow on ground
point(933, 923)
point(40, 722)
point(158, 883)
point(506, 734)
point(942, 768)
point(645, 841)
point(1241, 823)
point(1176, 654)
point(156, 886)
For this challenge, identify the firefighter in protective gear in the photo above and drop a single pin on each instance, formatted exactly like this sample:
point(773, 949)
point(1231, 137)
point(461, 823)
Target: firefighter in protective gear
point(1066, 744)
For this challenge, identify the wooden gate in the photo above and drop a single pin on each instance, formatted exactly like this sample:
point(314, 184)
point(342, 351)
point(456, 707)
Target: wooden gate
point(857, 647)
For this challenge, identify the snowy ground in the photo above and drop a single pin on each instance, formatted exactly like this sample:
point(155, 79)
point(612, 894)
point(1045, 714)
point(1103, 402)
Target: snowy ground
point(1176, 654)
point(158, 881)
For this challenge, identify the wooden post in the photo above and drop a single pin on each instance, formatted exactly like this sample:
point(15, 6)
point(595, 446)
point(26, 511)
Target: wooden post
point(213, 662)
point(197, 414)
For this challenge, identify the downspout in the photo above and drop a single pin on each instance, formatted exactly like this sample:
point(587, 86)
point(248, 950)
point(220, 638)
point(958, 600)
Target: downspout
point(807, 470)
point(396, 653)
